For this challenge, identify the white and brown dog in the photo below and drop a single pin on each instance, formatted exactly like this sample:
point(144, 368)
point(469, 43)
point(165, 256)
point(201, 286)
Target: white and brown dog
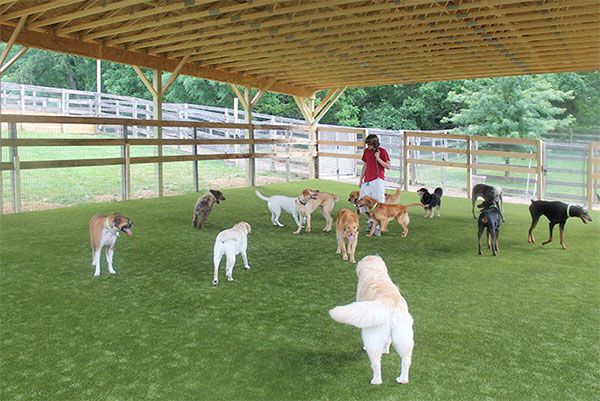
point(104, 231)
point(310, 200)
point(230, 243)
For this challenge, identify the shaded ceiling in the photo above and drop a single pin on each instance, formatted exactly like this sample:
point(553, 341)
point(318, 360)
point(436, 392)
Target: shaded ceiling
point(298, 47)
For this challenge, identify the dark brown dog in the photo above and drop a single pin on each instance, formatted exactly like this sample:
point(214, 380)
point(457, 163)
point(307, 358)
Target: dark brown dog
point(204, 206)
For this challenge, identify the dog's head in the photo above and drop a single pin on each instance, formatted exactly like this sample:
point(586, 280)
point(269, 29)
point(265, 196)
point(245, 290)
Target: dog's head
point(370, 263)
point(307, 195)
point(422, 191)
point(353, 197)
point(486, 204)
point(123, 223)
point(351, 231)
point(218, 195)
point(579, 211)
point(243, 226)
point(366, 201)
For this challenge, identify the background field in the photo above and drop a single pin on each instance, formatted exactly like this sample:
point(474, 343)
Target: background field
point(520, 326)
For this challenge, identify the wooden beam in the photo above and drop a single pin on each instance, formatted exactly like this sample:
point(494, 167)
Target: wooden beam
point(240, 97)
point(318, 116)
point(145, 80)
point(12, 39)
point(102, 8)
point(14, 58)
point(175, 73)
point(38, 8)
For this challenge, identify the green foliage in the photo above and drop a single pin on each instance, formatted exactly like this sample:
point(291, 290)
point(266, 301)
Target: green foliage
point(524, 106)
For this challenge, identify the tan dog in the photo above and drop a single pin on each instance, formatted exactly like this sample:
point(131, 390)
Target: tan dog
point(382, 315)
point(104, 231)
point(389, 198)
point(347, 228)
point(383, 213)
point(309, 201)
point(231, 242)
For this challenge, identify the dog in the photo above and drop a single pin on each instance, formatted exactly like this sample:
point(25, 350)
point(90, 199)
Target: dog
point(104, 231)
point(490, 218)
point(231, 242)
point(389, 198)
point(278, 203)
point(347, 228)
point(383, 213)
point(431, 201)
point(557, 213)
point(382, 315)
point(487, 192)
point(310, 200)
point(204, 206)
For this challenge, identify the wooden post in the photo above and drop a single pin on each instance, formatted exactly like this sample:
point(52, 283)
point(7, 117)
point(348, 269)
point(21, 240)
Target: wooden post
point(157, 98)
point(15, 175)
point(125, 168)
point(251, 169)
point(287, 160)
point(590, 176)
point(540, 169)
point(195, 163)
point(405, 159)
point(469, 170)
point(1, 179)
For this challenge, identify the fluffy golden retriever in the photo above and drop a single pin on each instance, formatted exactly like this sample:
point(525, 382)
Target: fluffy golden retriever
point(347, 228)
point(383, 213)
point(309, 201)
point(382, 315)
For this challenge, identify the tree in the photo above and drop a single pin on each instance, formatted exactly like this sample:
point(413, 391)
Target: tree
point(524, 106)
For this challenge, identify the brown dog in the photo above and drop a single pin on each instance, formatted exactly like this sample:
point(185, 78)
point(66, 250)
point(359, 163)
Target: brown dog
point(347, 228)
point(104, 231)
point(309, 201)
point(389, 198)
point(204, 206)
point(383, 213)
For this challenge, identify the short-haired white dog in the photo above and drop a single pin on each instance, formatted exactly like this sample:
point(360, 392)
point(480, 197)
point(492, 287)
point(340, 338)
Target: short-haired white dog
point(231, 242)
point(382, 315)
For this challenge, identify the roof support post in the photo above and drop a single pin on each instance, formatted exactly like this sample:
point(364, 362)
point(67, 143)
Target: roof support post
point(157, 97)
point(14, 58)
point(175, 73)
point(12, 39)
point(312, 116)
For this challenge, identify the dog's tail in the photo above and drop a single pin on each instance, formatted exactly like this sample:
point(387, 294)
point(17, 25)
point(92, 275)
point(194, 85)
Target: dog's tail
point(335, 198)
point(414, 204)
point(438, 191)
point(261, 196)
point(361, 314)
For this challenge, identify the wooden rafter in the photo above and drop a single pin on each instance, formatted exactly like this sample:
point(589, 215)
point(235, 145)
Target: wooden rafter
point(145, 81)
point(12, 39)
point(175, 73)
point(12, 60)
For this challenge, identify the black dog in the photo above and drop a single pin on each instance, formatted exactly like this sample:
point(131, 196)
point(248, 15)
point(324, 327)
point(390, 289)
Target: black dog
point(488, 193)
point(430, 201)
point(490, 218)
point(557, 213)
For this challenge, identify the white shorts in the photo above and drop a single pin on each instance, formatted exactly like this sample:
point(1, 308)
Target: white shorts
point(374, 189)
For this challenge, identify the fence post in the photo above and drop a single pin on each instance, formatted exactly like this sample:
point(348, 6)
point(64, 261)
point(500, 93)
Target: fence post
point(405, 159)
point(125, 168)
point(287, 159)
point(590, 176)
point(1, 178)
point(469, 170)
point(540, 169)
point(195, 162)
point(15, 177)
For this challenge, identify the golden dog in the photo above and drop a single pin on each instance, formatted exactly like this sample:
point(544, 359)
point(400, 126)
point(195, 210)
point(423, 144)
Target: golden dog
point(309, 201)
point(347, 228)
point(383, 213)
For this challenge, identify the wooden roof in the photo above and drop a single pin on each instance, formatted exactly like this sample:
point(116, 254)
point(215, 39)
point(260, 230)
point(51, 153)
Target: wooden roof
point(301, 46)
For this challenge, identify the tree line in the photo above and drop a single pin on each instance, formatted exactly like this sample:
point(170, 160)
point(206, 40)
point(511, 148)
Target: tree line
point(519, 106)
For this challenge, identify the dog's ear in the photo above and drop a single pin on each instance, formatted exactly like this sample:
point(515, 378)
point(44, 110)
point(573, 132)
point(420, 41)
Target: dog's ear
point(248, 228)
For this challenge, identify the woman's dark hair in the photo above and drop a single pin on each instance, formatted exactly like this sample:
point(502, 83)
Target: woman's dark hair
point(372, 139)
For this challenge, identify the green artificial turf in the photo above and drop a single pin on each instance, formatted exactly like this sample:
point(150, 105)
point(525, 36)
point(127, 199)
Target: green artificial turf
point(519, 326)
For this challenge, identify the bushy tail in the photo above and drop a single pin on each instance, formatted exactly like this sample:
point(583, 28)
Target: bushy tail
point(261, 196)
point(414, 204)
point(361, 314)
point(439, 191)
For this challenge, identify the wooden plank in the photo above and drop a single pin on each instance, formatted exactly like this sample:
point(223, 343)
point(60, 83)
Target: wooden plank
point(80, 14)
point(518, 141)
point(437, 149)
point(339, 155)
point(437, 163)
point(450, 137)
point(358, 144)
point(12, 39)
point(504, 167)
point(348, 130)
point(499, 153)
point(12, 60)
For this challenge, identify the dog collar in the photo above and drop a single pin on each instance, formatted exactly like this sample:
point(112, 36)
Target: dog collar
point(112, 229)
point(302, 203)
point(374, 206)
point(568, 210)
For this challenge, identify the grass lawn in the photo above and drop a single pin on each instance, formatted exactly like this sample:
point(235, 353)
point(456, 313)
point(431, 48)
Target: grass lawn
point(519, 326)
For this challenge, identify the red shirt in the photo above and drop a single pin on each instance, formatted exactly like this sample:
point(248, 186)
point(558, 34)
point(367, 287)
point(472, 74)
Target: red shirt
point(374, 170)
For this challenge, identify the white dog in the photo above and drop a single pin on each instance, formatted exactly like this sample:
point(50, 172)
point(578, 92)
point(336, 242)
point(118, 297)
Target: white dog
point(279, 202)
point(231, 242)
point(382, 315)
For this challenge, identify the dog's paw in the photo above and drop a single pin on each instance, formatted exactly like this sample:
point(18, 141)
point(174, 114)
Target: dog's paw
point(229, 278)
point(247, 267)
point(345, 257)
point(376, 381)
point(111, 271)
point(96, 274)
point(215, 282)
point(401, 380)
